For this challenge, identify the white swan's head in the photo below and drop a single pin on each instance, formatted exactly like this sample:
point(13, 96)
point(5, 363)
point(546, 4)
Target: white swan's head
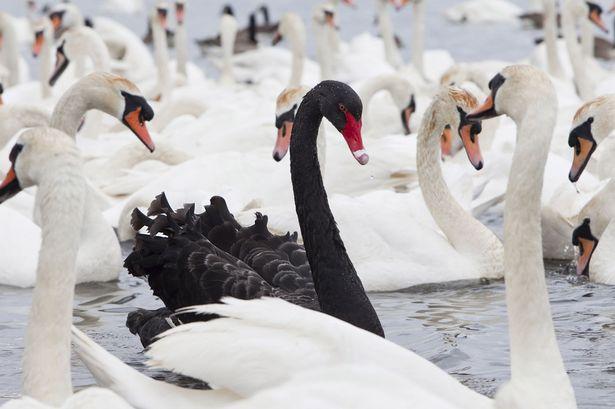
point(286, 108)
point(65, 16)
point(42, 31)
point(291, 25)
point(120, 98)
point(592, 123)
point(75, 43)
point(587, 9)
point(514, 91)
point(452, 105)
point(160, 14)
point(583, 238)
point(180, 11)
point(37, 154)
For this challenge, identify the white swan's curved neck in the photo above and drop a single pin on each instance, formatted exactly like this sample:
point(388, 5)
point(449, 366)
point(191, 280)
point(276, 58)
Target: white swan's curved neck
point(228, 34)
point(418, 35)
point(74, 104)
point(161, 56)
point(46, 362)
point(550, 29)
point(181, 45)
point(45, 67)
point(581, 78)
point(457, 224)
point(395, 85)
point(296, 37)
point(10, 49)
point(388, 34)
point(534, 352)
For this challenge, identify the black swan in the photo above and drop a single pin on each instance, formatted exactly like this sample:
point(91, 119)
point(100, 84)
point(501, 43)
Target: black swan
point(192, 259)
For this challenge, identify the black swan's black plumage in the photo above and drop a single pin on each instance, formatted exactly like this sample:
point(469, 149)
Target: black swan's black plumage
point(192, 259)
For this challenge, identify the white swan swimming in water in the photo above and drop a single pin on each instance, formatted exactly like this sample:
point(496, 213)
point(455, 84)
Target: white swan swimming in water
point(99, 253)
point(592, 125)
point(49, 159)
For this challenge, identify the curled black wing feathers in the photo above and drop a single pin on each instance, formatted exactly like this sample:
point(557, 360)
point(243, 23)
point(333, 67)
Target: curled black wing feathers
point(193, 259)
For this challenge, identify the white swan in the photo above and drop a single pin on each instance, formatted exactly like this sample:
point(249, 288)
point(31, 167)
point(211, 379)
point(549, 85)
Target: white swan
point(99, 252)
point(574, 11)
point(228, 34)
point(292, 28)
point(14, 118)
point(539, 379)
point(485, 249)
point(9, 51)
point(41, 48)
point(401, 91)
point(181, 39)
point(79, 44)
point(550, 29)
point(592, 125)
point(49, 159)
point(387, 33)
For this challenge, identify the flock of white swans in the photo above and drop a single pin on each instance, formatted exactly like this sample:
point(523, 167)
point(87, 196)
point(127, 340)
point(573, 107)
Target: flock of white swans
point(410, 153)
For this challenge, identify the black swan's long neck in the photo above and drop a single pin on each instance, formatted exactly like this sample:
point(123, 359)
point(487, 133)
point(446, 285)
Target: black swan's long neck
point(340, 291)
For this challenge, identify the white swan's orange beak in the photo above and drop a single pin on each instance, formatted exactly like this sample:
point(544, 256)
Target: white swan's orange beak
point(350, 3)
point(587, 248)
point(446, 142)
point(39, 38)
point(354, 139)
point(472, 147)
point(596, 18)
point(582, 154)
point(484, 111)
point(282, 143)
point(9, 186)
point(133, 121)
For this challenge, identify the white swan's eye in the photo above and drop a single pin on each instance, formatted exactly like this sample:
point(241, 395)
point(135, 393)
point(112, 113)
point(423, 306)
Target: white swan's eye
point(590, 120)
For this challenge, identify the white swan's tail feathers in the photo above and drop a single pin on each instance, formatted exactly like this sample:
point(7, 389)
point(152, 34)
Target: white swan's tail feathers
point(136, 388)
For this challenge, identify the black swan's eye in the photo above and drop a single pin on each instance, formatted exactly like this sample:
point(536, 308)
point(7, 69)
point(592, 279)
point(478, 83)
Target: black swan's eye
point(343, 108)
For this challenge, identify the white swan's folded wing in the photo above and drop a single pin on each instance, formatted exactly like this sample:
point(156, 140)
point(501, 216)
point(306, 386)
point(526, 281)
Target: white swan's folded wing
point(138, 389)
point(264, 343)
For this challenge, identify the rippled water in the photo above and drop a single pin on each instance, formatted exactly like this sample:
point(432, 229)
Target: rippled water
point(461, 327)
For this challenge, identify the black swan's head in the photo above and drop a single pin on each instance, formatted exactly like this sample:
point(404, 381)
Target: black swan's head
point(341, 105)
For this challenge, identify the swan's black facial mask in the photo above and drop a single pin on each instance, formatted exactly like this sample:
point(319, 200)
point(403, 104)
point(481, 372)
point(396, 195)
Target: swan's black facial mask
point(582, 140)
point(162, 16)
point(406, 115)
point(583, 238)
point(136, 112)
point(468, 131)
point(487, 110)
point(62, 63)
point(56, 19)
point(10, 186)
point(595, 16)
point(284, 123)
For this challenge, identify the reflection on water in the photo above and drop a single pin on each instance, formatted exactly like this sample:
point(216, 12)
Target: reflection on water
point(461, 327)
